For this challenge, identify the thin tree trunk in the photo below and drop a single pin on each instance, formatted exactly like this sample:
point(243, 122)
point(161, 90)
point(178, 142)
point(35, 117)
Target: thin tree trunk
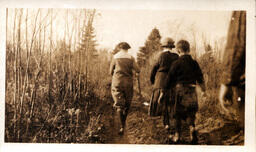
point(26, 81)
point(36, 79)
point(69, 63)
point(50, 63)
point(74, 49)
point(50, 71)
point(15, 77)
point(79, 75)
point(18, 67)
point(86, 29)
point(9, 50)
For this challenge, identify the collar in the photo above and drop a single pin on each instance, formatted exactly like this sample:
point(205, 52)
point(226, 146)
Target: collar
point(166, 50)
point(122, 54)
point(184, 54)
point(171, 51)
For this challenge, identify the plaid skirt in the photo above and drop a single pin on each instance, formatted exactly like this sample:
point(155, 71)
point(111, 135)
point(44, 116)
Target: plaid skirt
point(186, 104)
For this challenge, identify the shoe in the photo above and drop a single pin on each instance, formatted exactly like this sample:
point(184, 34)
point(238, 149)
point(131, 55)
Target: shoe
point(194, 141)
point(121, 131)
point(193, 137)
point(174, 139)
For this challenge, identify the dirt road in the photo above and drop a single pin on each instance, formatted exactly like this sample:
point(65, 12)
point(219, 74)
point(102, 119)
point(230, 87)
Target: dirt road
point(142, 129)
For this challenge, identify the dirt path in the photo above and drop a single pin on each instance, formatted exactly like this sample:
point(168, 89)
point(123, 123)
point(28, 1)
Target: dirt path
point(142, 129)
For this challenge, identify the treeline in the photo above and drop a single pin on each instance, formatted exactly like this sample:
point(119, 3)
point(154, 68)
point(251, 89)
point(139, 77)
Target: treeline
point(51, 80)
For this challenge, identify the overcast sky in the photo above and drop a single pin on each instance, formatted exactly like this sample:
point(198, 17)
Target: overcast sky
point(134, 26)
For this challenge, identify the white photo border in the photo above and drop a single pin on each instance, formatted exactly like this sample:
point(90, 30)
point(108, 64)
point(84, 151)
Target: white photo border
point(213, 5)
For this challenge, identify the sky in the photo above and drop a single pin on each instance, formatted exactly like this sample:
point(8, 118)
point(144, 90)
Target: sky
point(134, 26)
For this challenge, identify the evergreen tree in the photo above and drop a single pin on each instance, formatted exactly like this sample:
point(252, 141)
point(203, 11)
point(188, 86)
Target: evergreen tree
point(152, 46)
point(87, 51)
point(87, 42)
point(142, 56)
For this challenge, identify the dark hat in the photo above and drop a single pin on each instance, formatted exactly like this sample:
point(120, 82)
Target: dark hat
point(168, 42)
point(123, 45)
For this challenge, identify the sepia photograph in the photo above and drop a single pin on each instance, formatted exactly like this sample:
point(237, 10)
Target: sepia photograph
point(144, 77)
point(74, 76)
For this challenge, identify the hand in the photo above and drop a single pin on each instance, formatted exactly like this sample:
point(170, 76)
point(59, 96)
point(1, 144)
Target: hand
point(225, 97)
point(203, 96)
point(137, 74)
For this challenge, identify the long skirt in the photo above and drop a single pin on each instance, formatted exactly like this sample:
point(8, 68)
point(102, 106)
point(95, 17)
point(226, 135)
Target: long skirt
point(158, 103)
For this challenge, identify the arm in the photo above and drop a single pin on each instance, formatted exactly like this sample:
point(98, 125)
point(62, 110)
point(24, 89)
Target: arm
point(112, 67)
point(200, 77)
point(135, 66)
point(153, 72)
point(171, 77)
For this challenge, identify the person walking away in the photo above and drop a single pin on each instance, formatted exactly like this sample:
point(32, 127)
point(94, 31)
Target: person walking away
point(184, 74)
point(121, 69)
point(232, 90)
point(159, 103)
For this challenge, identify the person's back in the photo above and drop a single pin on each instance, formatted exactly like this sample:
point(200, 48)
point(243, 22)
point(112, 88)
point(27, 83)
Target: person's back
point(186, 71)
point(161, 68)
point(123, 66)
point(122, 83)
point(183, 75)
point(161, 97)
point(166, 60)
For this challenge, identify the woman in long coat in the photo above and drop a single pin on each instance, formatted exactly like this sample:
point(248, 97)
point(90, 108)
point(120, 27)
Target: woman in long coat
point(160, 100)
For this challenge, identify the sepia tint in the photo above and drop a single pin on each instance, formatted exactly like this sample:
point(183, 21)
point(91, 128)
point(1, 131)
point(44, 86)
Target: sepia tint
point(59, 87)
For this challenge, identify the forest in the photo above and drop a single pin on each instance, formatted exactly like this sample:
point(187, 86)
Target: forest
point(58, 84)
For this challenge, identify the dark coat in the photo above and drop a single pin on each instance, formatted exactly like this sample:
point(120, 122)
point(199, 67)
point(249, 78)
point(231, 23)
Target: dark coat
point(183, 75)
point(160, 69)
point(185, 70)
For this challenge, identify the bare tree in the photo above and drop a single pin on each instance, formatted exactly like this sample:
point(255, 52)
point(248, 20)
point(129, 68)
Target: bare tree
point(50, 59)
point(27, 70)
point(15, 75)
point(40, 48)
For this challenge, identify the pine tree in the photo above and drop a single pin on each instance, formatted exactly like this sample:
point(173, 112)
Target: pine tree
point(152, 46)
point(142, 56)
point(87, 47)
point(88, 43)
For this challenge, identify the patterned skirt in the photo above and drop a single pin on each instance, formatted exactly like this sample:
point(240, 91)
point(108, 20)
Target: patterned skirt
point(186, 104)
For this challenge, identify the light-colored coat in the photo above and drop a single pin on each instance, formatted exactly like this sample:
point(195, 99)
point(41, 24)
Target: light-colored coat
point(121, 69)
